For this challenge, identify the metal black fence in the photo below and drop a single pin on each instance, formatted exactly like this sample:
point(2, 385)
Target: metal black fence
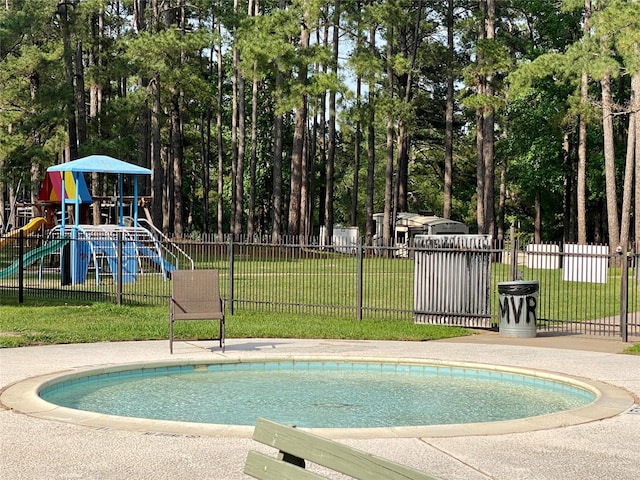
point(582, 289)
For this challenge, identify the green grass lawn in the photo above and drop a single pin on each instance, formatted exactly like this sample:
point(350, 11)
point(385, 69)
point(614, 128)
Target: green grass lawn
point(40, 323)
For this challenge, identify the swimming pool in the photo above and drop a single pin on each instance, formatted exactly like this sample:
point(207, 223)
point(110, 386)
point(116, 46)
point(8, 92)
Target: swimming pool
point(320, 393)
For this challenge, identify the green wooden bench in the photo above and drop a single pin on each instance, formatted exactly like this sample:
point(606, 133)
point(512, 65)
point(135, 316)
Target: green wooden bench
point(296, 447)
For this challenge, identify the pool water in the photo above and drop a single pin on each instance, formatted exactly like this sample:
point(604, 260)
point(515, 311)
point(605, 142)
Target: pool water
point(319, 394)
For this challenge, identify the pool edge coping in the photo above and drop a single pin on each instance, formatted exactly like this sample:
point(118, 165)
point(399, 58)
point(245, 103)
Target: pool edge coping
point(23, 397)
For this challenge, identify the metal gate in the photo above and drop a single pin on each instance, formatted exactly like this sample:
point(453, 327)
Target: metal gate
point(452, 280)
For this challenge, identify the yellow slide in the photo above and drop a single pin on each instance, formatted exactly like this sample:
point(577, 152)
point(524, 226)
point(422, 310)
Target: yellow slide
point(33, 225)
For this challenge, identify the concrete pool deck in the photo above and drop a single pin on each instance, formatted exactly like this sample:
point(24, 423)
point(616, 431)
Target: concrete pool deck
point(33, 448)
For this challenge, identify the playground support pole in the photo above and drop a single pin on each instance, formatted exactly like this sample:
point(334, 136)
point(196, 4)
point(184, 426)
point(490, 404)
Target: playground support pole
point(21, 268)
point(63, 207)
point(119, 267)
point(135, 200)
point(121, 206)
point(76, 209)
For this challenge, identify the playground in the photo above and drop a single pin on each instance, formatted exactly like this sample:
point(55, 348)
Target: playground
point(62, 237)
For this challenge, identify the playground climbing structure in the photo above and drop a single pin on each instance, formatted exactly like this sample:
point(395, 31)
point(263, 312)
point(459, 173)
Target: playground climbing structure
point(123, 250)
point(114, 250)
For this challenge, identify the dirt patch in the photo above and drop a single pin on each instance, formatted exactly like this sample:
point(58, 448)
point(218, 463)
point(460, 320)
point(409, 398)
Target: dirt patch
point(11, 334)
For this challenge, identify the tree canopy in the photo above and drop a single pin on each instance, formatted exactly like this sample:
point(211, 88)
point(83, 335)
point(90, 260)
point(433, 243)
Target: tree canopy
point(274, 117)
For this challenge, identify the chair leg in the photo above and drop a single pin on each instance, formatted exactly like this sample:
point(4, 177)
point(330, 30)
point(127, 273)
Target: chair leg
point(222, 334)
point(171, 336)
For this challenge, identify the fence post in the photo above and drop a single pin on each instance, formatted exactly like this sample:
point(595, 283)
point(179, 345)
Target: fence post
point(359, 279)
point(624, 296)
point(119, 267)
point(21, 267)
point(230, 289)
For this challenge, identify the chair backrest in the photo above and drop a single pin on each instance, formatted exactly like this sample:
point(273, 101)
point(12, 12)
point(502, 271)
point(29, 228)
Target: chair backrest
point(196, 294)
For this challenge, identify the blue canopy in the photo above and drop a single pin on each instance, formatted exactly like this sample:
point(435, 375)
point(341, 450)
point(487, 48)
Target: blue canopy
point(100, 164)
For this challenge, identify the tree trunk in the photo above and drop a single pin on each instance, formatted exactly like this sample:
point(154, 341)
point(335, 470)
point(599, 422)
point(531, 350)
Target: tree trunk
point(402, 170)
point(388, 221)
point(67, 55)
point(276, 199)
point(305, 208)
point(254, 9)
point(170, 150)
point(298, 138)
point(356, 156)
point(80, 96)
point(254, 158)
point(537, 222)
point(568, 224)
point(625, 219)
point(234, 135)
point(11, 221)
point(295, 199)
point(480, 132)
point(219, 136)
point(3, 187)
point(276, 196)
point(144, 140)
point(331, 157)
point(81, 108)
point(371, 166)
point(582, 165)
point(205, 153)
point(632, 158)
point(480, 169)
point(448, 118)
point(322, 114)
point(488, 136)
point(157, 172)
point(404, 140)
point(177, 159)
point(371, 150)
point(489, 170)
point(600, 210)
point(582, 141)
point(609, 163)
point(242, 144)
point(635, 85)
point(167, 188)
point(502, 201)
point(633, 144)
point(34, 181)
point(95, 108)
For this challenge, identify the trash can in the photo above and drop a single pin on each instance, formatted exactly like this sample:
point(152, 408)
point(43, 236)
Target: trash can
point(518, 301)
